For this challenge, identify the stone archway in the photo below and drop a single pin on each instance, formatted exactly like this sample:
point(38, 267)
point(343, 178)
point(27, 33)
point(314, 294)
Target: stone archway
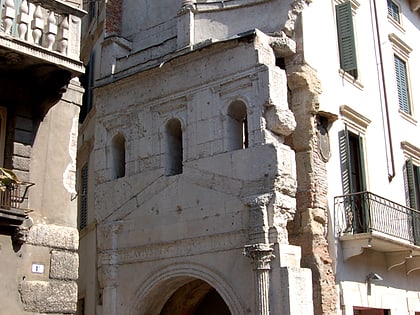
point(186, 289)
point(196, 297)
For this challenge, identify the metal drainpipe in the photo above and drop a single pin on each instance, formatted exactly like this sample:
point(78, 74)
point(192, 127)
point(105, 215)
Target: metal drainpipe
point(391, 174)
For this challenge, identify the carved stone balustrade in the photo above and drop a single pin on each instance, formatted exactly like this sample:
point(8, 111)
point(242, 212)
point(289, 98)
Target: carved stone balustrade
point(48, 30)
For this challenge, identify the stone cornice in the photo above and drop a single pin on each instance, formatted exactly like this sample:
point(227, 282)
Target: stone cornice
point(354, 118)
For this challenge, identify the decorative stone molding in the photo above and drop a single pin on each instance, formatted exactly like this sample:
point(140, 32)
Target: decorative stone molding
point(21, 233)
point(354, 119)
point(261, 255)
point(411, 151)
point(399, 46)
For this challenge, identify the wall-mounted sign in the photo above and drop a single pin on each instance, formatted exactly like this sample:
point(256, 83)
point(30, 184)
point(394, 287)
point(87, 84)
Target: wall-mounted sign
point(38, 268)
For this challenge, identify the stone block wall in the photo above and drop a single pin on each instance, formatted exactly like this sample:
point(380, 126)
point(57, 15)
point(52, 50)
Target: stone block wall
point(52, 287)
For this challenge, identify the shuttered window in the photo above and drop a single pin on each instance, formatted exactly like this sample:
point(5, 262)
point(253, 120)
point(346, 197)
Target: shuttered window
point(353, 179)
point(413, 183)
point(402, 84)
point(83, 197)
point(352, 162)
point(346, 42)
point(394, 11)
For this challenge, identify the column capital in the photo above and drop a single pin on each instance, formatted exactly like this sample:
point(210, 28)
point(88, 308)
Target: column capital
point(260, 254)
point(258, 201)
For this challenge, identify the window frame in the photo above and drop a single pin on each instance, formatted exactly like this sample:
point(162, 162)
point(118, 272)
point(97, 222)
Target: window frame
point(401, 51)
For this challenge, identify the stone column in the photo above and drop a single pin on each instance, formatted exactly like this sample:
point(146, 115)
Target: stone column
point(261, 254)
point(110, 271)
point(258, 218)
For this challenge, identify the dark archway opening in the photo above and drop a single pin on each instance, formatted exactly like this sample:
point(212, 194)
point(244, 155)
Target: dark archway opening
point(195, 298)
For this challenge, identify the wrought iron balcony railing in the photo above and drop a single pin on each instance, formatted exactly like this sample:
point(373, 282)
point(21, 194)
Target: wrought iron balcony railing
point(14, 196)
point(366, 212)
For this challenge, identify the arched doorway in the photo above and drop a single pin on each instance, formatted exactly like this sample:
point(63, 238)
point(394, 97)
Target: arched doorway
point(196, 297)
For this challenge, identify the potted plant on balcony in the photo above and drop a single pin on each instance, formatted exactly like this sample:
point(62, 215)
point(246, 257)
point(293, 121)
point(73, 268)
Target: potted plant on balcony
point(7, 178)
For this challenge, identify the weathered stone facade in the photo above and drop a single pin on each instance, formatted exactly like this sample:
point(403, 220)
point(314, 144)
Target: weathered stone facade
point(216, 156)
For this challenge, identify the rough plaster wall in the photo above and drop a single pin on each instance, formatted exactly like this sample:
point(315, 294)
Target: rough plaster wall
point(308, 229)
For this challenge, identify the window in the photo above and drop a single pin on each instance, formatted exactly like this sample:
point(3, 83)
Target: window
point(402, 84)
point(346, 41)
point(237, 128)
point(174, 148)
point(394, 11)
point(353, 178)
point(2, 134)
point(86, 80)
point(118, 156)
point(83, 194)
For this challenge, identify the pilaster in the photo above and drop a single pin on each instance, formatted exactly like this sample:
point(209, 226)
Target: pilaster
point(261, 255)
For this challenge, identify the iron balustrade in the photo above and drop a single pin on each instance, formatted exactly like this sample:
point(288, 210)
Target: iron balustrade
point(14, 195)
point(365, 212)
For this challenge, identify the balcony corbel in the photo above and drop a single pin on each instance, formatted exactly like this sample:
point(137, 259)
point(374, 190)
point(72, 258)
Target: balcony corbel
point(354, 246)
point(394, 259)
point(412, 264)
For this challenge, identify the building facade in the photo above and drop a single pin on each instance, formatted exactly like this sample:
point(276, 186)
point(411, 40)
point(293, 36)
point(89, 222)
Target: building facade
point(40, 98)
point(249, 157)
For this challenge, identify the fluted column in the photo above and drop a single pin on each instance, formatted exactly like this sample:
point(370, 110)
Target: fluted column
point(261, 255)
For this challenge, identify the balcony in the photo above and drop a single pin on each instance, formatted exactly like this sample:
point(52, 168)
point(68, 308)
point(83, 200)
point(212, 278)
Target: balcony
point(367, 221)
point(13, 199)
point(45, 30)
point(39, 50)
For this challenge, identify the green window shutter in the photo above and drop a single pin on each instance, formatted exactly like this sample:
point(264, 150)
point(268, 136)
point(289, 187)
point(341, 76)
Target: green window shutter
point(402, 84)
point(412, 183)
point(362, 164)
point(346, 43)
point(345, 161)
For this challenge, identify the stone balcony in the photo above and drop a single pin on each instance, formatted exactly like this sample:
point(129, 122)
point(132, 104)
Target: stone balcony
point(39, 51)
point(40, 32)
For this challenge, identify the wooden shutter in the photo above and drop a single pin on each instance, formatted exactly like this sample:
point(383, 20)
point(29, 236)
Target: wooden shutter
point(346, 44)
point(345, 162)
point(83, 197)
point(412, 178)
point(402, 84)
